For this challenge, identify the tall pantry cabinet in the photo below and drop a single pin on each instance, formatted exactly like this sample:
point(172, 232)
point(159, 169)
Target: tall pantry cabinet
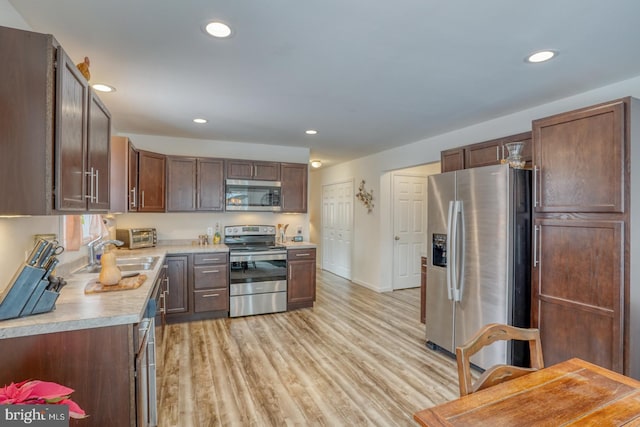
point(582, 288)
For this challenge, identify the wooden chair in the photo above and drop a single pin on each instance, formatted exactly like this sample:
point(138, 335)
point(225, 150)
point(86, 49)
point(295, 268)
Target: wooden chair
point(499, 373)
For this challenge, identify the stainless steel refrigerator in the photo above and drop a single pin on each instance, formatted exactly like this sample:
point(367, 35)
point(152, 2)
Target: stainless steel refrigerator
point(478, 265)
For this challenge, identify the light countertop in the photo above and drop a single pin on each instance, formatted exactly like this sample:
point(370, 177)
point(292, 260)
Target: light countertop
point(77, 310)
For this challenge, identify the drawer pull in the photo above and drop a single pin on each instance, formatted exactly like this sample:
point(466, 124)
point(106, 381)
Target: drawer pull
point(305, 254)
point(210, 295)
point(211, 259)
point(210, 271)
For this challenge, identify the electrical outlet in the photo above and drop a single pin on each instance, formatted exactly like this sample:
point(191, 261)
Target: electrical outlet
point(210, 231)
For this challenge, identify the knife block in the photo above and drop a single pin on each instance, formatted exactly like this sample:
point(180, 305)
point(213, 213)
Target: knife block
point(27, 294)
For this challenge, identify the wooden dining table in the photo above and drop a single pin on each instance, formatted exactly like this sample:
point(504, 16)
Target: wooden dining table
point(571, 393)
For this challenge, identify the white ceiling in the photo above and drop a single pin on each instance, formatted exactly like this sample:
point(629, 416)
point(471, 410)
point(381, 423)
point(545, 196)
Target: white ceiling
point(368, 74)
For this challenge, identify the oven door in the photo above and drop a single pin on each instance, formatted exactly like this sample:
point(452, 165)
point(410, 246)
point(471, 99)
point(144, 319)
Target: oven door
point(258, 284)
point(252, 267)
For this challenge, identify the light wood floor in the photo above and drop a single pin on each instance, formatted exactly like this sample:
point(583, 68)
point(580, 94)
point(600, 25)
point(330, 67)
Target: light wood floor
point(356, 359)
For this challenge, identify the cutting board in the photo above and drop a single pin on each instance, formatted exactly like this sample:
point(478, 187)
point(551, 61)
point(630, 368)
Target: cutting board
point(123, 285)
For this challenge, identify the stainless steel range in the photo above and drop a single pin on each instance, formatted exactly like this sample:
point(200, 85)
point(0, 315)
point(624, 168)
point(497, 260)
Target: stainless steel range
point(258, 270)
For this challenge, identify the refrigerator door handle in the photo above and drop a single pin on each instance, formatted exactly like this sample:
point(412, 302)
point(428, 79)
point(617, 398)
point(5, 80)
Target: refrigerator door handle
point(458, 290)
point(450, 248)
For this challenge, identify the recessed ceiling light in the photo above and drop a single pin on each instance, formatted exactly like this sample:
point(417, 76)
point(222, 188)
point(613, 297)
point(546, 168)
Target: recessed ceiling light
point(316, 163)
point(311, 132)
point(100, 87)
point(541, 56)
point(200, 121)
point(218, 29)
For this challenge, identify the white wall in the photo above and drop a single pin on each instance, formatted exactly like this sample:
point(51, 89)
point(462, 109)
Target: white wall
point(387, 221)
point(10, 18)
point(223, 149)
point(371, 269)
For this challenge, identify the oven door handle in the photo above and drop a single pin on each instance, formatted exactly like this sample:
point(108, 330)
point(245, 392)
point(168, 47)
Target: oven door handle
point(258, 256)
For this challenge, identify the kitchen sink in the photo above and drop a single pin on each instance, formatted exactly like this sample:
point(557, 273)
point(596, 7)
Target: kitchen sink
point(138, 263)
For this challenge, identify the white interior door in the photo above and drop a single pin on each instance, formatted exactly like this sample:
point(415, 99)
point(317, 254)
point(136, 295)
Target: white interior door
point(409, 225)
point(337, 228)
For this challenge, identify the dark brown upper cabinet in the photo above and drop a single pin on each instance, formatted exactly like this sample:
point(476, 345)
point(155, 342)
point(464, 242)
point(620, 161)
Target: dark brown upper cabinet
point(195, 184)
point(54, 134)
point(579, 160)
point(252, 170)
point(492, 152)
point(294, 187)
point(151, 181)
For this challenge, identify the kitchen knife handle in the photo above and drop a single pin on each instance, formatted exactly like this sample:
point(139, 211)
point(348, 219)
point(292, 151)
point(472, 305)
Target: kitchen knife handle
point(50, 267)
point(45, 254)
point(32, 259)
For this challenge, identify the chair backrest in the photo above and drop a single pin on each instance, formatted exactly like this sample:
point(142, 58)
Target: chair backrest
point(499, 373)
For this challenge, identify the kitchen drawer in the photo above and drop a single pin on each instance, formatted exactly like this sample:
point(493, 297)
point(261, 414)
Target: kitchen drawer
point(210, 258)
point(210, 276)
point(300, 254)
point(211, 300)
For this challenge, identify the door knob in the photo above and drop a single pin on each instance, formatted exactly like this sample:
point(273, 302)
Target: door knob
point(397, 238)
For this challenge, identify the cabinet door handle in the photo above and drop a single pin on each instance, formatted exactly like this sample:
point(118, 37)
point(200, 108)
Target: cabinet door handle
point(142, 197)
point(536, 231)
point(290, 272)
point(497, 153)
point(210, 295)
point(162, 303)
point(97, 183)
point(132, 203)
point(535, 186)
point(90, 195)
point(210, 271)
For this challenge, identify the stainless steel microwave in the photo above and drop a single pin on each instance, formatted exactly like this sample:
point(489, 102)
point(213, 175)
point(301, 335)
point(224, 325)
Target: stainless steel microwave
point(136, 238)
point(245, 195)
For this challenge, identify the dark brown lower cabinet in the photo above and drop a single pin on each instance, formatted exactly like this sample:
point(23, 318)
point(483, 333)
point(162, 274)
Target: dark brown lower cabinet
point(210, 282)
point(301, 280)
point(578, 299)
point(198, 286)
point(97, 363)
point(177, 284)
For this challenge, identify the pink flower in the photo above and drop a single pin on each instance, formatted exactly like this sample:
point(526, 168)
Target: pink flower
point(40, 392)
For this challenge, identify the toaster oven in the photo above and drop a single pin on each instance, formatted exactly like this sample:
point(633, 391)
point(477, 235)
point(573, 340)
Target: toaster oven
point(136, 238)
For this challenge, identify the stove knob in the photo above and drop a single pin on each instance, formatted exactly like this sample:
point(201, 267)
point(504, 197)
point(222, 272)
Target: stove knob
point(271, 230)
point(236, 231)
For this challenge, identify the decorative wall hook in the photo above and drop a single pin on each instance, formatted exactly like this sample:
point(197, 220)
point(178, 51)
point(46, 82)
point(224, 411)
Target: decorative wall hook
point(366, 197)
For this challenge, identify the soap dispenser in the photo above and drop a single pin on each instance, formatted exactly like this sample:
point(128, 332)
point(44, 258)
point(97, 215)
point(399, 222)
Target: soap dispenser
point(217, 237)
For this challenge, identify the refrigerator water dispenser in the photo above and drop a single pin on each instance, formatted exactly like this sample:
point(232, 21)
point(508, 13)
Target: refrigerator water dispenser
point(439, 250)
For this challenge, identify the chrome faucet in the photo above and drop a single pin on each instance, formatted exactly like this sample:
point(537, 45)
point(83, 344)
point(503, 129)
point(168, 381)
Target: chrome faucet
point(98, 243)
